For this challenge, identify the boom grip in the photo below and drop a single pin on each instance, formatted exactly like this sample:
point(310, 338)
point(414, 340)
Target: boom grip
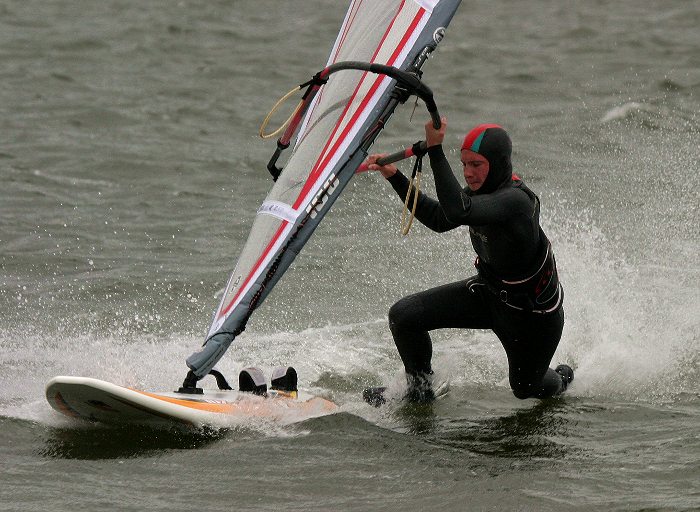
point(390, 159)
point(410, 151)
point(430, 104)
point(435, 116)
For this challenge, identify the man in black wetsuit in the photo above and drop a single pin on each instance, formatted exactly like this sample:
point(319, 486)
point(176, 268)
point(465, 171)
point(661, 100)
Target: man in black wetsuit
point(516, 292)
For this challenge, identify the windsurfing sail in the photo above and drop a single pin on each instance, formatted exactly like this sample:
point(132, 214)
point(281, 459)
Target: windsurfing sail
point(341, 121)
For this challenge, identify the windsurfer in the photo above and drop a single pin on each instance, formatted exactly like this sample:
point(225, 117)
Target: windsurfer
point(516, 292)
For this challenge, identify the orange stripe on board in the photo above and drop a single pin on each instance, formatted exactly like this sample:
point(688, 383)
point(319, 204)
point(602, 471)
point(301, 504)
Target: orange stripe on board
point(201, 406)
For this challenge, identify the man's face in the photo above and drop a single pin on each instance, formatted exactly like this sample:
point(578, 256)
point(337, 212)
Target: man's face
point(476, 168)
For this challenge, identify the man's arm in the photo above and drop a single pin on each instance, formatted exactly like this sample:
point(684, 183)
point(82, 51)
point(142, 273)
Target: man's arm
point(428, 211)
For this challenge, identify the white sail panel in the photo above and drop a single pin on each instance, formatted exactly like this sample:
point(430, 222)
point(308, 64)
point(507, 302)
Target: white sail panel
point(339, 126)
point(344, 105)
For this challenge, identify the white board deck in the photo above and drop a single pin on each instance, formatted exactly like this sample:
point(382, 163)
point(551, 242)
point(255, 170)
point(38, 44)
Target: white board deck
point(103, 402)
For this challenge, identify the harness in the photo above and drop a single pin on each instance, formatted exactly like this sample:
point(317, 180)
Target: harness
point(541, 292)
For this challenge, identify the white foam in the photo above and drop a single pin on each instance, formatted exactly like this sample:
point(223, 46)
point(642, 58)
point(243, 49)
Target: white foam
point(630, 331)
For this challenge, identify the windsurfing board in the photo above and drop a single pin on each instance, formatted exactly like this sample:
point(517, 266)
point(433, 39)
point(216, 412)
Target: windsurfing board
point(99, 401)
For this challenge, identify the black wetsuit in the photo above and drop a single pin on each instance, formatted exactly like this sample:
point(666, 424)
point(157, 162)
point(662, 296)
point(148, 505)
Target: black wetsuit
point(516, 292)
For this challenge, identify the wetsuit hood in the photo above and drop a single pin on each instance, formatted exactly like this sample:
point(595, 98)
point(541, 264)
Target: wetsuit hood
point(493, 143)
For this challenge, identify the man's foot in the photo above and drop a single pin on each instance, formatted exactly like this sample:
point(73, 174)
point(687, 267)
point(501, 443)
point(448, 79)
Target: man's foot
point(420, 390)
point(566, 373)
point(374, 396)
point(414, 395)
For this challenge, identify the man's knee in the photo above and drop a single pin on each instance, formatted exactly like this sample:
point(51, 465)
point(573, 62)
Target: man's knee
point(522, 389)
point(549, 385)
point(405, 312)
point(522, 393)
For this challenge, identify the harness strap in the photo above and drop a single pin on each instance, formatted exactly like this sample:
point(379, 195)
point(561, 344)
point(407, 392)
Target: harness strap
point(538, 293)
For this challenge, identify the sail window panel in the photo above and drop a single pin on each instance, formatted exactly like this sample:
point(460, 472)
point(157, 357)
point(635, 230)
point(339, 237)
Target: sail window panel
point(260, 247)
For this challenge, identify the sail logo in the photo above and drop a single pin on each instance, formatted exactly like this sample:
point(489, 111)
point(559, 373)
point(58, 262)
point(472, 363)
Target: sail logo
point(438, 35)
point(316, 203)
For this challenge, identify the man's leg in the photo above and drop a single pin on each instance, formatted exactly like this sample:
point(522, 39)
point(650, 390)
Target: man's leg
point(459, 304)
point(455, 305)
point(530, 341)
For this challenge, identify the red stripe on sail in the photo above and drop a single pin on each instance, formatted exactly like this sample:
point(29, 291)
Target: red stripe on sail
point(323, 162)
point(262, 257)
point(351, 19)
point(318, 168)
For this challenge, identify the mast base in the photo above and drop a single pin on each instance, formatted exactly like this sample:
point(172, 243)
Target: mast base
point(189, 385)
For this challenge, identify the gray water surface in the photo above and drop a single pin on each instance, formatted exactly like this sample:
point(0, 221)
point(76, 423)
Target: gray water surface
point(131, 172)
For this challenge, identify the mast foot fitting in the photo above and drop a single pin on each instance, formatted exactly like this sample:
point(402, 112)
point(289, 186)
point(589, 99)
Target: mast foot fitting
point(189, 385)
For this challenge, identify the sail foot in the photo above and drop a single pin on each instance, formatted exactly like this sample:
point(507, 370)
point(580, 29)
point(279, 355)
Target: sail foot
point(203, 361)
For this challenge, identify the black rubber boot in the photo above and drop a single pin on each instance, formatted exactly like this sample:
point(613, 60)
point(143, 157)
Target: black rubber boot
point(374, 396)
point(567, 375)
point(420, 388)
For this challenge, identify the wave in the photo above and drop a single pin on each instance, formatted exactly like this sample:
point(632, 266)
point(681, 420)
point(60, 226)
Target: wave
point(653, 115)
